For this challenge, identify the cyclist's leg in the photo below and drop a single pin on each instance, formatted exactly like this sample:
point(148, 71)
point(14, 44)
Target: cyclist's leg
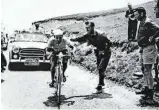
point(65, 61)
point(53, 65)
point(64, 69)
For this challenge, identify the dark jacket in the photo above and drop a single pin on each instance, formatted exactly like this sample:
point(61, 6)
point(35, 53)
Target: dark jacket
point(146, 30)
point(100, 41)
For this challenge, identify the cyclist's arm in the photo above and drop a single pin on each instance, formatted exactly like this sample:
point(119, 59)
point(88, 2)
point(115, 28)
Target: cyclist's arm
point(50, 45)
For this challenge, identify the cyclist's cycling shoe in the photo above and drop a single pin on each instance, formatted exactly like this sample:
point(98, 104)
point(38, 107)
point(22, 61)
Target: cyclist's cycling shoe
point(51, 84)
point(64, 78)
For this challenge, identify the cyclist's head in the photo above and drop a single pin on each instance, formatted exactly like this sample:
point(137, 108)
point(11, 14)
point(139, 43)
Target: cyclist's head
point(58, 34)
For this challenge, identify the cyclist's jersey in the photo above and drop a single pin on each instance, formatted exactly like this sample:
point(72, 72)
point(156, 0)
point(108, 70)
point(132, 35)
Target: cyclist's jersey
point(58, 46)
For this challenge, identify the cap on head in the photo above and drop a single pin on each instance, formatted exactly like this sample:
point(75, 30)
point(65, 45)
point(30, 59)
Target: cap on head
point(57, 32)
point(91, 24)
point(129, 4)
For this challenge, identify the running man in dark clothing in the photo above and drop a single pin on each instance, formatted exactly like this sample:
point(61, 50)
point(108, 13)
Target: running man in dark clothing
point(102, 51)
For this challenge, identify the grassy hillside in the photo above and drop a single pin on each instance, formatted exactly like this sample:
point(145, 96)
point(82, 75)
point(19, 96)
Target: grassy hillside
point(125, 56)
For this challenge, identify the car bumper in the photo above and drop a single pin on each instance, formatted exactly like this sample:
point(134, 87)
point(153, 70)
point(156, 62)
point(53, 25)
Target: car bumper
point(22, 61)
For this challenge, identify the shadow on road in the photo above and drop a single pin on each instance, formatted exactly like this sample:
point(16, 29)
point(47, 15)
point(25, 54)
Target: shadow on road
point(30, 68)
point(52, 100)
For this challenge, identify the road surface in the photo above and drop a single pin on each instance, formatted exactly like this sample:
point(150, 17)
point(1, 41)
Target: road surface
point(30, 90)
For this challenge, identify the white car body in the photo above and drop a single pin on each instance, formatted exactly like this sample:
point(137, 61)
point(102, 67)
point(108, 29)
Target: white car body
point(29, 53)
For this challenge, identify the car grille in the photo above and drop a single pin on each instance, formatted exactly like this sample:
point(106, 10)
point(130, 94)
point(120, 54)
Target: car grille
point(32, 52)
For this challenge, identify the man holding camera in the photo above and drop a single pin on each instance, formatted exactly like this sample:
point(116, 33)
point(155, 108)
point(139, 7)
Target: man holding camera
point(132, 23)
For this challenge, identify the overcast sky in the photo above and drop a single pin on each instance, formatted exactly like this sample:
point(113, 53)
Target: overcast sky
point(19, 14)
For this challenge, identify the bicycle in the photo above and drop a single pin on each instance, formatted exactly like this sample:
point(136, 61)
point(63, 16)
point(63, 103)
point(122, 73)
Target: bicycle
point(59, 76)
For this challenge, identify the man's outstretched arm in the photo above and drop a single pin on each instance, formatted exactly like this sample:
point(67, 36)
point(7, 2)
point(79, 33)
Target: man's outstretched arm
point(80, 39)
point(68, 44)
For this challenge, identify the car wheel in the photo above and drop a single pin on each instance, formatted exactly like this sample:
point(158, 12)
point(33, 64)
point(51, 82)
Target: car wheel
point(11, 66)
point(46, 67)
point(5, 49)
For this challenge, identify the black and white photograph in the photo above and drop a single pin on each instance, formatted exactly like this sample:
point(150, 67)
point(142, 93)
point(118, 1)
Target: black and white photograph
point(79, 54)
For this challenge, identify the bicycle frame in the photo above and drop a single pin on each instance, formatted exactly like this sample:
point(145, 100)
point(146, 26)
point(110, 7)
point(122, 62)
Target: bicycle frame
point(59, 76)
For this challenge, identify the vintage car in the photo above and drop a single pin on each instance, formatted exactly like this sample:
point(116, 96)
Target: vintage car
point(29, 49)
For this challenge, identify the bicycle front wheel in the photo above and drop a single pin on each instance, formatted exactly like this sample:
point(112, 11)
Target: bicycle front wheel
point(59, 86)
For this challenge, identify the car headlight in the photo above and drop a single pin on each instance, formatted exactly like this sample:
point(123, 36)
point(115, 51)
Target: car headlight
point(15, 49)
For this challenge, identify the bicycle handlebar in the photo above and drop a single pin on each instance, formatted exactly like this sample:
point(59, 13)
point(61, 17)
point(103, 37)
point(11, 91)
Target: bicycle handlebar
point(62, 55)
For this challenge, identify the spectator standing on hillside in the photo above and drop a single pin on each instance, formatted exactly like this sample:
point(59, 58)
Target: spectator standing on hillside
point(147, 33)
point(157, 8)
point(102, 51)
point(132, 23)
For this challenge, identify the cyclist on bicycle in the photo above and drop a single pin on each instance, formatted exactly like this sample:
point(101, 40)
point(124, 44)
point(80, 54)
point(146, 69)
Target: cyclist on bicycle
point(58, 45)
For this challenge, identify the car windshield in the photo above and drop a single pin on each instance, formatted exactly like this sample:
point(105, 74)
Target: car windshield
point(31, 38)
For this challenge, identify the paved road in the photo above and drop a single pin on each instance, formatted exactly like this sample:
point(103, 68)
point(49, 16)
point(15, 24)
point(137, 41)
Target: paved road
point(30, 90)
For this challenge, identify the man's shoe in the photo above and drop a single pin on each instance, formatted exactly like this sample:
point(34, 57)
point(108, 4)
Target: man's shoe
point(142, 91)
point(99, 87)
point(150, 94)
point(99, 91)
